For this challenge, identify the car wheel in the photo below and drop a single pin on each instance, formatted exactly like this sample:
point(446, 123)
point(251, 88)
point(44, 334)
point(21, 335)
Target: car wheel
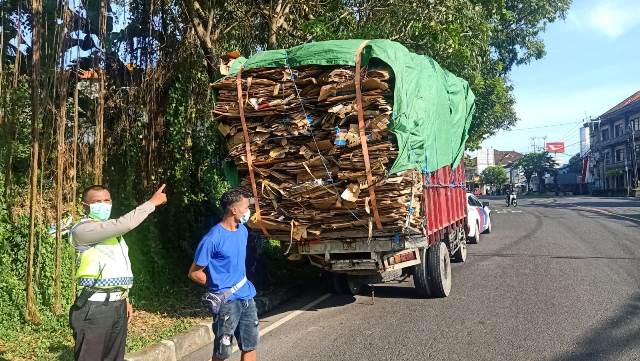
point(476, 236)
point(488, 230)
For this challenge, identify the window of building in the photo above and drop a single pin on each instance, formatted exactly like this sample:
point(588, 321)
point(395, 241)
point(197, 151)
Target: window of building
point(619, 155)
point(618, 130)
point(605, 134)
point(635, 123)
point(607, 157)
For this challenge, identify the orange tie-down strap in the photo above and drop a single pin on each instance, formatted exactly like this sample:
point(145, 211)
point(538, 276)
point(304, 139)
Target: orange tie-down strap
point(363, 138)
point(247, 143)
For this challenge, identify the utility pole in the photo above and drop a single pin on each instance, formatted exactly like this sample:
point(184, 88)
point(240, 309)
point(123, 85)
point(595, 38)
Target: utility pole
point(626, 171)
point(634, 155)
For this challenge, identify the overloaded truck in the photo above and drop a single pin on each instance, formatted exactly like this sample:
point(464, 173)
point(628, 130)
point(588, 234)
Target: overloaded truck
point(353, 151)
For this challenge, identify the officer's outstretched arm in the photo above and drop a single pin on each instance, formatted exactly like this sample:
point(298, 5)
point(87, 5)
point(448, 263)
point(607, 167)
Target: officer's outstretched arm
point(92, 232)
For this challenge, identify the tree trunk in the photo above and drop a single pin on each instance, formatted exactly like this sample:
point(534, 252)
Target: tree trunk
point(11, 133)
point(32, 314)
point(16, 67)
point(61, 120)
point(2, 95)
point(99, 144)
point(203, 34)
point(74, 183)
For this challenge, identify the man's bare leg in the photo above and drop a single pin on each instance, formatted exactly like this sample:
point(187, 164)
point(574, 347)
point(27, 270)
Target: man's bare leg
point(246, 356)
point(249, 356)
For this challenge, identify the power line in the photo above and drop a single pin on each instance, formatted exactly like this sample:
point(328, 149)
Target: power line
point(542, 126)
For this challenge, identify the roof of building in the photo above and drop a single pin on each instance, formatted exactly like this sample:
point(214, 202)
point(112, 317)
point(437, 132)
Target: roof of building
point(632, 100)
point(506, 158)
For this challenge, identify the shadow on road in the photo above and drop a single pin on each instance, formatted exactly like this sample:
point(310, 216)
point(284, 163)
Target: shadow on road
point(584, 207)
point(613, 339)
point(391, 291)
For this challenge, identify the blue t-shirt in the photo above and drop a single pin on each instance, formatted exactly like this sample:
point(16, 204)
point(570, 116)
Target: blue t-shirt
point(223, 253)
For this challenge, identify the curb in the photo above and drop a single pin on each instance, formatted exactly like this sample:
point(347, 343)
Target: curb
point(201, 335)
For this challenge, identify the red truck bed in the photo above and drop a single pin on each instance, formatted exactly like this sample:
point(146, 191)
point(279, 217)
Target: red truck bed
point(444, 198)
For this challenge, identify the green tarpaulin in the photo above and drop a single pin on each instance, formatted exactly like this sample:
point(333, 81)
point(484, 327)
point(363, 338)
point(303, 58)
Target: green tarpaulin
point(432, 108)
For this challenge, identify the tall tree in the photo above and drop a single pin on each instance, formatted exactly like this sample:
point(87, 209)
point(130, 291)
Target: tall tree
point(32, 314)
point(539, 164)
point(494, 176)
point(575, 164)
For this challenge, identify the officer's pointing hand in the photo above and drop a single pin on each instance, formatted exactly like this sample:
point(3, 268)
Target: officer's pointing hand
point(159, 197)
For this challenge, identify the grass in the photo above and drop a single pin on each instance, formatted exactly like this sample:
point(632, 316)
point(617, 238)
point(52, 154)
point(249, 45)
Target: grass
point(153, 321)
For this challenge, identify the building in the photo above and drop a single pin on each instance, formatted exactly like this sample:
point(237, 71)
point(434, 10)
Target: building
point(487, 157)
point(615, 148)
point(507, 159)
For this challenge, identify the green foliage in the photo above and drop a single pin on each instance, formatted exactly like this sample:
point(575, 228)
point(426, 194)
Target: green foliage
point(537, 163)
point(575, 164)
point(494, 176)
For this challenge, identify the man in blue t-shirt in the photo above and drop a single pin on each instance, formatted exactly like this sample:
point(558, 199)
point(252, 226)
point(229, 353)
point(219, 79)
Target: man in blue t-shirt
point(219, 264)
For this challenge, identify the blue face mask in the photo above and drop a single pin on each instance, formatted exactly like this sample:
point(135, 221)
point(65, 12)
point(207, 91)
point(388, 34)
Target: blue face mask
point(100, 211)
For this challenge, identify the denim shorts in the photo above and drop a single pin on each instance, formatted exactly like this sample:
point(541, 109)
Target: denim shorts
point(237, 318)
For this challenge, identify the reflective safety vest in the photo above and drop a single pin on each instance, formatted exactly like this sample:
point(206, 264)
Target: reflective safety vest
point(104, 265)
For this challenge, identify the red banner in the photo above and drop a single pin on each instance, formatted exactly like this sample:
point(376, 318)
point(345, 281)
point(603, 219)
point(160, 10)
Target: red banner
point(555, 147)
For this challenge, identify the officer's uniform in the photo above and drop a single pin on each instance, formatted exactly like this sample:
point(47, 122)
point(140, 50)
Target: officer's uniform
point(99, 315)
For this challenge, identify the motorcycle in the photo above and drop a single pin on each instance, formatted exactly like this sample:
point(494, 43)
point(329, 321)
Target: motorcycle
point(511, 201)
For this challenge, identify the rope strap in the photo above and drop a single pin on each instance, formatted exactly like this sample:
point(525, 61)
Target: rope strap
point(247, 143)
point(363, 138)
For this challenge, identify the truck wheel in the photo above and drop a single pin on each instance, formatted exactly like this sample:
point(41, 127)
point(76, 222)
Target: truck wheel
point(439, 270)
point(421, 276)
point(476, 237)
point(354, 285)
point(339, 284)
point(461, 253)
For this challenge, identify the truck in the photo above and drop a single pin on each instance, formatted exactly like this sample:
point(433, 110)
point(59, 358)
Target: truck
point(426, 254)
point(353, 151)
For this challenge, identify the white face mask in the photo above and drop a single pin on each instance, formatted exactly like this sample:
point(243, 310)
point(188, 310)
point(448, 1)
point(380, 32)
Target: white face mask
point(100, 211)
point(245, 217)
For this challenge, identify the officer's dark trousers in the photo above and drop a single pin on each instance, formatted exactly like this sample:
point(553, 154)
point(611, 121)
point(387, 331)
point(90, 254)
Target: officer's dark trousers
point(100, 330)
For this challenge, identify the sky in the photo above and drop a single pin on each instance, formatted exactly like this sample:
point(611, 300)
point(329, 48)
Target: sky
point(592, 64)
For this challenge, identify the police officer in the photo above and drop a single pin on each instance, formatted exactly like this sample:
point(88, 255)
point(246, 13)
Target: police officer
point(102, 310)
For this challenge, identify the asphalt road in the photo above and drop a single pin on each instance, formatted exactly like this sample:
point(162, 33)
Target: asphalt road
point(556, 280)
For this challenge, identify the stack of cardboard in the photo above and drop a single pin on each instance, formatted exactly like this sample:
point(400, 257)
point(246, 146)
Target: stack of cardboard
point(307, 156)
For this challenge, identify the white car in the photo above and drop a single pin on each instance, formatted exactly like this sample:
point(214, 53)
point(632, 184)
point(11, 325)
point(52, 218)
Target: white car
point(478, 218)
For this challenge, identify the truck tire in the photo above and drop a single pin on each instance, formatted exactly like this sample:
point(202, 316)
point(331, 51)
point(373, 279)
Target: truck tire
point(354, 285)
point(339, 284)
point(439, 270)
point(461, 253)
point(421, 275)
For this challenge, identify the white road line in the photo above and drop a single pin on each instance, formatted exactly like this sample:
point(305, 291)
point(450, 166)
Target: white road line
point(290, 316)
